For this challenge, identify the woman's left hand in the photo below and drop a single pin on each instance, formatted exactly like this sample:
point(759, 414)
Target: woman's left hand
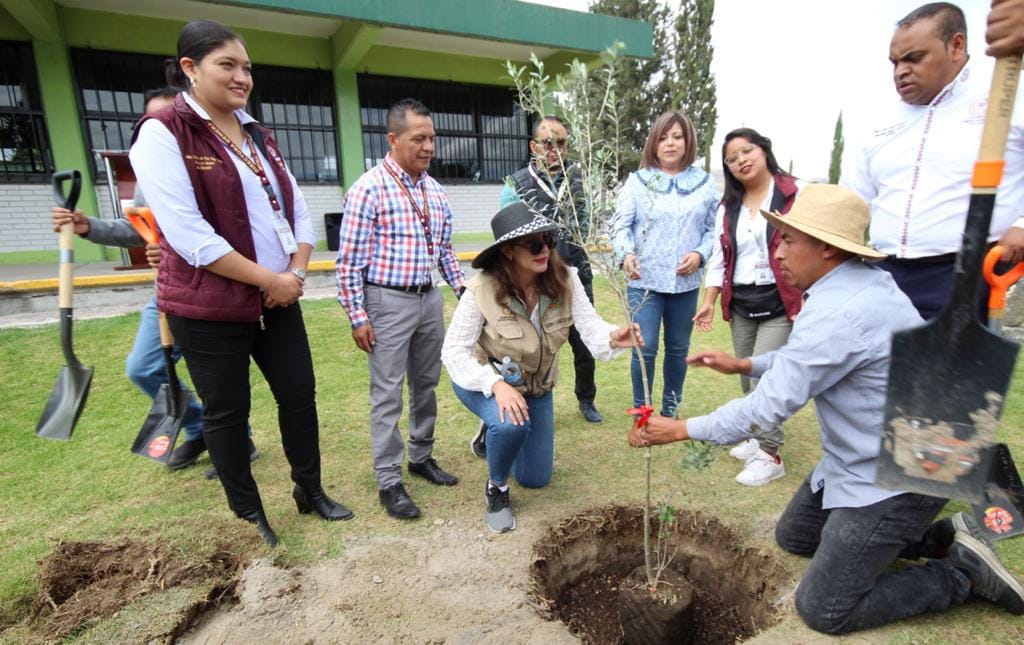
point(621, 338)
point(689, 264)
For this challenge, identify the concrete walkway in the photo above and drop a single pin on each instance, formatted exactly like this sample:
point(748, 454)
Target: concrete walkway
point(28, 292)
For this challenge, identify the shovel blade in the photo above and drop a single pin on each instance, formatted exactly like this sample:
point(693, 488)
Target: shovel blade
point(65, 403)
point(160, 430)
point(947, 383)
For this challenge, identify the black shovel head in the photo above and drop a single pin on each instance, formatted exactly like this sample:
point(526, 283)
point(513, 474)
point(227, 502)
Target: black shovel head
point(160, 430)
point(947, 383)
point(65, 403)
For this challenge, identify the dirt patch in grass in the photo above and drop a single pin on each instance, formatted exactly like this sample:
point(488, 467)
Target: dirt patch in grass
point(80, 582)
point(581, 563)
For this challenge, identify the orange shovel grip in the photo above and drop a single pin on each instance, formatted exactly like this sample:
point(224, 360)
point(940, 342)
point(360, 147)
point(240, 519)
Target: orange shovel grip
point(999, 283)
point(141, 218)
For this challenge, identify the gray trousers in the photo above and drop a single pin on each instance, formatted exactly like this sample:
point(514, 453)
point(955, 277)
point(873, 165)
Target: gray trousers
point(409, 329)
point(753, 337)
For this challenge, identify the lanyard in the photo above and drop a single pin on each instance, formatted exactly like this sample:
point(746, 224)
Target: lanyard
point(423, 217)
point(253, 163)
point(547, 190)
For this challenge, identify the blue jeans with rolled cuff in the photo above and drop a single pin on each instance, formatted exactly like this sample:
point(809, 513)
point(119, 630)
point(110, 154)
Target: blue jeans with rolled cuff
point(528, 451)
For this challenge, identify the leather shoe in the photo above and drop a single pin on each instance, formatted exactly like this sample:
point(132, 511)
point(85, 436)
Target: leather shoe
point(430, 471)
point(318, 501)
point(259, 518)
point(590, 413)
point(186, 454)
point(397, 502)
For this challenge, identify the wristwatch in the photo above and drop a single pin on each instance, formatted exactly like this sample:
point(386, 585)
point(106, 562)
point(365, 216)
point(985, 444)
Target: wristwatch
point(299, 273)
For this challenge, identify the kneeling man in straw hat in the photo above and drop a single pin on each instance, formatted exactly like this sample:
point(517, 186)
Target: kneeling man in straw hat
point(838, 355)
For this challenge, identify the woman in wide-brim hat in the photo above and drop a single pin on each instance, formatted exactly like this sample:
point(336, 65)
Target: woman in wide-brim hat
point(501, 349)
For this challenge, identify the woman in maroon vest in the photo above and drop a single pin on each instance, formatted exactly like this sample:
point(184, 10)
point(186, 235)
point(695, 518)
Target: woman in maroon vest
point(236, 241)
point(756, 300)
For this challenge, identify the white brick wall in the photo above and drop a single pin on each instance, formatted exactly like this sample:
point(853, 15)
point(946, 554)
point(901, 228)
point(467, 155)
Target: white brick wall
point(25, 208)
point(473, 205)
point(25, 217)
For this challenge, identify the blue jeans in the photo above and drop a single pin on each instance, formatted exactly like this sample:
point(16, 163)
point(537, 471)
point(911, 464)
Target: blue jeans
point(526, 451)
point(145, 367)
point(650, 309)
point(849, 585)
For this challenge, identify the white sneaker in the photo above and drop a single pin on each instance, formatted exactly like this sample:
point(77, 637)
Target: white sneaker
point(761, 469)
point(745, 450)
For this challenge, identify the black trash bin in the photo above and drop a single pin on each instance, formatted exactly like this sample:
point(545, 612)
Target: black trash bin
point(332, 225)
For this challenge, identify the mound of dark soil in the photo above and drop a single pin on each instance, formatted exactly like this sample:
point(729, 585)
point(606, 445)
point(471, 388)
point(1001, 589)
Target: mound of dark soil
point(581, 563)
point(82, 581)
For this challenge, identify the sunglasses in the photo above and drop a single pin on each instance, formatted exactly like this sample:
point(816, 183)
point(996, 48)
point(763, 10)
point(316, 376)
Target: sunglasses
point(536, 243)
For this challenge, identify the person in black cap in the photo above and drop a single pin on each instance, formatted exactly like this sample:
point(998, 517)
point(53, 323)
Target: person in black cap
point(501, 349)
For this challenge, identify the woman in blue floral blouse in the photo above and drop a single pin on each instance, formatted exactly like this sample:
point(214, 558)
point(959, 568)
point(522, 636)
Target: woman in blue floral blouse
point(662, 234)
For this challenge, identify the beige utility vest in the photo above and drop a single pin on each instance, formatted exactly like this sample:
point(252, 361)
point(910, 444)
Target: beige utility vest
point(507, 331)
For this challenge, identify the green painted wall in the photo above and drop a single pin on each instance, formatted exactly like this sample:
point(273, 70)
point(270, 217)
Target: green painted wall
point(65, 129)
point(395, 61)
point(504, 20)
point(10, 29)
point(349, 126)
point(119, 32)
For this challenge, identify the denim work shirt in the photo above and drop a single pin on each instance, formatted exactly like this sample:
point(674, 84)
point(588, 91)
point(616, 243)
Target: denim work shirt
point(660, 218)
point(837, 354)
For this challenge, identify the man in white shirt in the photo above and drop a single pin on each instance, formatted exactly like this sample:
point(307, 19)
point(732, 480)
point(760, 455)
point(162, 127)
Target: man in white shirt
point(914, 167)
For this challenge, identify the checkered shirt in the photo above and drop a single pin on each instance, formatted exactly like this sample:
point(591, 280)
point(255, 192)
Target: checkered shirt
point(382, 240)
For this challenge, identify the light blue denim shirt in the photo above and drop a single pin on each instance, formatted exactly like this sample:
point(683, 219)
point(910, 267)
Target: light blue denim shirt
point(837, 354)
point(661, 218)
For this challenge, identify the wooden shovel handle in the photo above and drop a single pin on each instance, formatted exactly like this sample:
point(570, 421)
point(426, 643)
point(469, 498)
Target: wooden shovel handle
point(988, 170)
point(65, 272)
point(166, 338)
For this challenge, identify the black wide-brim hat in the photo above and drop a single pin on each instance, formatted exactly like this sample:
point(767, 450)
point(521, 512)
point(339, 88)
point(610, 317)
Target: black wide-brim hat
point(514, 221)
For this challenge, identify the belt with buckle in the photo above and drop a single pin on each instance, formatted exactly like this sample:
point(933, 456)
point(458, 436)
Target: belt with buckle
point(416, 288)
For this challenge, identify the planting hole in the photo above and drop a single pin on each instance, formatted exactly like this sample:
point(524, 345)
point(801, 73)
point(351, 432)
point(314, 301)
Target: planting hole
point(717, 590)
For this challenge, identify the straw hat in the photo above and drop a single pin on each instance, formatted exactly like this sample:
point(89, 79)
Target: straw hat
point(832, 214)
point(513, 221)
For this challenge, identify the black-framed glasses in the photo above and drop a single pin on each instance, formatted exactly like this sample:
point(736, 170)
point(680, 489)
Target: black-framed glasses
point(535, 243)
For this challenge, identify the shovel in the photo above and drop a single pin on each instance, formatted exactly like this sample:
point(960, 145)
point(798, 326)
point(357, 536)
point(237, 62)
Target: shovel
point(948, 378)
point(1001, 515)
point(160, 430)
point(72, 387)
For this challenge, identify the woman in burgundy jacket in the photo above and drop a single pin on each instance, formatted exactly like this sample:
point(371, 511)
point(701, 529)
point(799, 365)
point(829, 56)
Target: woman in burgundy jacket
point(757, 301)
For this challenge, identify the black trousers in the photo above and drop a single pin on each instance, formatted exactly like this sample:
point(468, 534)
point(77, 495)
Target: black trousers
point(217, 354)
point(930, 284)
point(583, 361)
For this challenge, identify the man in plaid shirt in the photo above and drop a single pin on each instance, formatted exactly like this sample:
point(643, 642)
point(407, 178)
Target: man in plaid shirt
point(396, 230)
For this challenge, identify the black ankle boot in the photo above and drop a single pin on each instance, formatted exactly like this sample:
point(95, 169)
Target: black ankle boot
point(317, 500)
point(259, 518)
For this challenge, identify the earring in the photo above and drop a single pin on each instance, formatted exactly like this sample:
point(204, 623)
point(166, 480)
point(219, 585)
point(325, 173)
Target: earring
point(195, 83)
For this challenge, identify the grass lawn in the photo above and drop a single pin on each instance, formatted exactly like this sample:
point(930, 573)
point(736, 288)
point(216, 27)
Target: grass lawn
point(93, 488)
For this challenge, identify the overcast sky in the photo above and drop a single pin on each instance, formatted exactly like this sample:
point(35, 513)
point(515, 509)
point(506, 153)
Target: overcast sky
point(787, 67)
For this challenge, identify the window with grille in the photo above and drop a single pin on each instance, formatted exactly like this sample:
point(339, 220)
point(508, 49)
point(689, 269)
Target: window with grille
point(24, 146)
point(297, 104)
point(483, 134)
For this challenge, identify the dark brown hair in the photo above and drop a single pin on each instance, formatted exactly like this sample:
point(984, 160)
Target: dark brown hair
point(554, 282)
point(197, 39)
point(649, 159)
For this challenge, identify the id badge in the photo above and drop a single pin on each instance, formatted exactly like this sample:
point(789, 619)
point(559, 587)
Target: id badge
point(285, 235)
point(763, 274)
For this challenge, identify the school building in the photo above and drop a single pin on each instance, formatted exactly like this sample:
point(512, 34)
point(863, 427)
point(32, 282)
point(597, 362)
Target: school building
point(73, 74)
